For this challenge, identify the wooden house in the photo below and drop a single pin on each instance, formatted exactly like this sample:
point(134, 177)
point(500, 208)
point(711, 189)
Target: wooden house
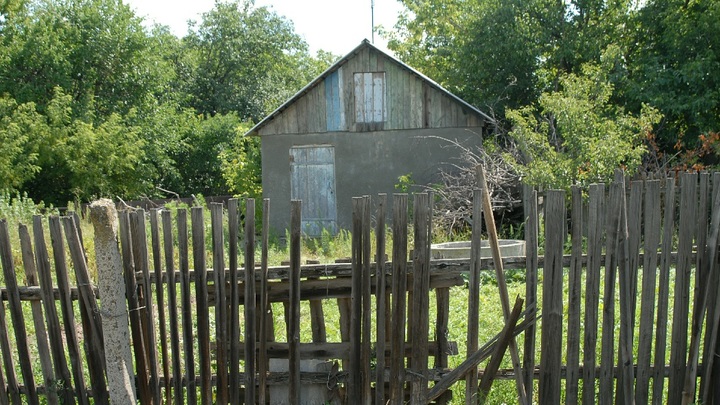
point(353, 131)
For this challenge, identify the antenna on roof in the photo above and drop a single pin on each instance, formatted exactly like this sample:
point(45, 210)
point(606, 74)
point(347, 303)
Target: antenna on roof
point(372, 19)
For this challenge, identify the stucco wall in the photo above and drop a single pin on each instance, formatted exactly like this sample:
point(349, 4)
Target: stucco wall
point(366, 163)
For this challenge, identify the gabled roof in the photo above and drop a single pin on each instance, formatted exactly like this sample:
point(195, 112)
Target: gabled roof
point(364, 44)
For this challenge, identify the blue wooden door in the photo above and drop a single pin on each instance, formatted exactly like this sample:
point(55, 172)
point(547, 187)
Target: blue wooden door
point(312, 180)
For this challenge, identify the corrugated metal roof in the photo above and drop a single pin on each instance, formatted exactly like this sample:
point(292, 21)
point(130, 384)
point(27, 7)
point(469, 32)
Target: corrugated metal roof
point(365, 43)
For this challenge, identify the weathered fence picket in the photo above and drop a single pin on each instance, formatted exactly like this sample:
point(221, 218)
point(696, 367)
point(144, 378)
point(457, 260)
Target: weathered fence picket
point(160, 302)
point(652, 233)
point(181, 344)
point(595, 241)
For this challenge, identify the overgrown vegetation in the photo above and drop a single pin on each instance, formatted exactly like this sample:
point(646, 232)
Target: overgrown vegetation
point(580, 87)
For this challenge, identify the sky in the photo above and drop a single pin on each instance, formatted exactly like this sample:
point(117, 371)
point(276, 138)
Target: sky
point(337, 26)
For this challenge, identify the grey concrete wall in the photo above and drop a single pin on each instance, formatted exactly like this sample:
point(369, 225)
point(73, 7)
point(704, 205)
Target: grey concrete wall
point(365, 163)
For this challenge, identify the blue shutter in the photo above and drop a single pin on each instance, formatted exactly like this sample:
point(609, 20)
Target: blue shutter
point(334, 113)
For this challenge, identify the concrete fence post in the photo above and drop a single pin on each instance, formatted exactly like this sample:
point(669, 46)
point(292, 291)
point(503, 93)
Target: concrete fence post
point(113, 307)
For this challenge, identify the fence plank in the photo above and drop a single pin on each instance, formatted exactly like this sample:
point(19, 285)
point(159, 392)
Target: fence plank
point(575, 275)
point(663, 291)
point(147, 312)
point(168, 246)
point(266, 316)
point(355, 377)
point(201, 297)
point(131, 288)
point(66, 306)
point(627, 292)
point(294, 300)
point(551, 336)
point(221, 331)
point(250, 301)
point(92, 324)
point(530, 208)
point(399, 288)
point(481, 354)
point(38, 322)
point(649, 280)
point(366, 352)
point(421, 284)
point(234, 312)
point(500, 276)
point(713, 310)
point(12, 384)
point(160, 299)
point(471, 379)
point(608, 322)
point(686, 235)
point(596, 222)
point(506, 335)
point(702, 287)
point(16, 313)
point(380, 299)
point(187, 316)
point(62, 372)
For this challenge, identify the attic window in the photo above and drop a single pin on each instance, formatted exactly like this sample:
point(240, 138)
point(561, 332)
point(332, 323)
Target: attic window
point(370, 97)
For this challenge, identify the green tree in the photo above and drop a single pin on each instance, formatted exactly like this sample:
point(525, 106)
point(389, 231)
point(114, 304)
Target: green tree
point(675, 67)
point(242, 164)
point(498, 54)
point(575, 135)
point(248, 60)
point(21, 127)
point(95, 50)
point(84, 159)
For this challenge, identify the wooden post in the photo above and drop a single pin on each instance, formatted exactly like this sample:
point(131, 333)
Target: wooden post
point(552, 307)
point(530, 206)
point(92, 324)
point(294, 302)
point(705, 268)
point(420, 301)
point(234, 331)
point(505, 336)
point(596, 222)
point(160, 299)
point(573, 342)
point(62, 372)
point(16, 313)
point(264, 308)
point(663, 291)
point(187, 315)
point(66, 305)
point(399, 289)
point(649, 281)
point(366, 353)
point(221, 331)
point(686, 236)
point(250, 301)
point(471, 379)
point(147, 312)
point(201, 295)
point(36, 306)
point(500, 274)
point(355, 391)
point(131, 291)
point(172, 307)
point(627, 291)
point(380, 299)
point(114, 311)
point(713, 317)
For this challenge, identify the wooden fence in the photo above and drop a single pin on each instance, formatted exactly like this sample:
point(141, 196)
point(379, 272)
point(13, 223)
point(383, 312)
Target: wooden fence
point(640, 327)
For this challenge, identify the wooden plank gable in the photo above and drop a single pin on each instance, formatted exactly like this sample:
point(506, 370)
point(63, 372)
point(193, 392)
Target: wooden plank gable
point(370, 91)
